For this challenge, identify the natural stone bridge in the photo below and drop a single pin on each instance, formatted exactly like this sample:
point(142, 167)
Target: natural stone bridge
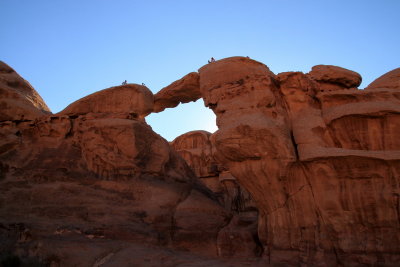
point(319, 157)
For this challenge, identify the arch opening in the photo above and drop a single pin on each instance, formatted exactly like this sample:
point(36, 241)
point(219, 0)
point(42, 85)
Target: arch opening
point(173, 122)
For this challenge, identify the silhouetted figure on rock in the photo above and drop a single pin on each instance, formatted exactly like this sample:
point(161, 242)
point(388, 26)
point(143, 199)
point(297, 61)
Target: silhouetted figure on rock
point(124, 82)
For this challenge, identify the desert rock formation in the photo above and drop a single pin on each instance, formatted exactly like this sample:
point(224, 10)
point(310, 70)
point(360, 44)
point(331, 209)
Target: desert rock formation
point(240, 237)
point(95, 178)
point(18, 99)
point(197, 150)
point(320, 160)
point(319, 157)
point(332, 78)
point(390, 80)
point(182, 91)
point(133, 100)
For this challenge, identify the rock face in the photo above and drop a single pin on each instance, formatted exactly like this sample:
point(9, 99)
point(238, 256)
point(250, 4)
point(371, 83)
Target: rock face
point(91, 178)
point(319, 158)
point(333, 78)
point(132, 99)
point(18, 100)
point(321, 161)
point(322, 166)
point(240, 237)
point(390, 80)
point(197, 150)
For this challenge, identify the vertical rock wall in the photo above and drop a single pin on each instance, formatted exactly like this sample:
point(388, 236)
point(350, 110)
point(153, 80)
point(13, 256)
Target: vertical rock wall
point(319, 157)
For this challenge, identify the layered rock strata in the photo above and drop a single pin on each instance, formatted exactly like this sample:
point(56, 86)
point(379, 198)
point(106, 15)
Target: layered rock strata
point(240, 237)
point(18, 100)
point(96, 178)
point(320, 158)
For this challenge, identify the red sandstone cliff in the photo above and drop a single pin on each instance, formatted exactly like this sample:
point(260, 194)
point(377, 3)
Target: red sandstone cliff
point(240, 237)
point(319, 157)
point(94, 185)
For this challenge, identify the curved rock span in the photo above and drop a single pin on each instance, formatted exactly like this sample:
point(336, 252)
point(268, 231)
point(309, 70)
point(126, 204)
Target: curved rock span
point(94, 185)
point(319, 157)
point(303, 170)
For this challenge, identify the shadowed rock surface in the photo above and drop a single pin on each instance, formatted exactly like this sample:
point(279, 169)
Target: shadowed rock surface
point(182, 91)
point(323, 167)
point(240, 237)
point(93, 179)
point(321, 161)
point(319, 158)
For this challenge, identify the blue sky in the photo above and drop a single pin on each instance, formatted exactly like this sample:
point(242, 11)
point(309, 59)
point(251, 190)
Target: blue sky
point(69, 49)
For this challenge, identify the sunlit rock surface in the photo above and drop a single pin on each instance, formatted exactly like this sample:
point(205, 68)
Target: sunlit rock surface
point(322, 165)
point(132, 100)
point(303, 170)
point(93, 179)
point(18, 100)
point(390, 80)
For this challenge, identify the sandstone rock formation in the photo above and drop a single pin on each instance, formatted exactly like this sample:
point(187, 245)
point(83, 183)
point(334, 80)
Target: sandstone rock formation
point(197, 150)
point(132, 99)
point(18, 99)
point(240, 237)
point(182, 91)
point(390, 80)
point(333, 78)
point(320, 159)
point(92, 178)
point(322, 162)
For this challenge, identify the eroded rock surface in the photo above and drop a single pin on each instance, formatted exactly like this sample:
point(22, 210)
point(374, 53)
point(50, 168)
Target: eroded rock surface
point(132, 100)
point(390, 80)
point(197, 150)
point(182, 91)
point(18, 100)
point(321, 161)
point(322, 165)
point(240, 237)
point(91, 178)
point(319, 158)
point(333, 78)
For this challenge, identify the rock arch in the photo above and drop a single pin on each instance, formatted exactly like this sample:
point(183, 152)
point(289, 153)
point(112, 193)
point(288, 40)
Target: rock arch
point(277, 132)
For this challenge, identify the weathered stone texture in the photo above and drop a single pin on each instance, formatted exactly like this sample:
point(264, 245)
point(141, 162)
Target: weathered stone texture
point(303, 170)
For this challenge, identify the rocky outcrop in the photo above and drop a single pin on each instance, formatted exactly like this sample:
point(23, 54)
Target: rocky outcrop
point(240, 237)
point(331, 78)
point(90, 174)
point(321, 161)
point(18, 100)
point(182, 91)
point(319, 158)
point(197, 150)
point(129, 101)
point(390, 80)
